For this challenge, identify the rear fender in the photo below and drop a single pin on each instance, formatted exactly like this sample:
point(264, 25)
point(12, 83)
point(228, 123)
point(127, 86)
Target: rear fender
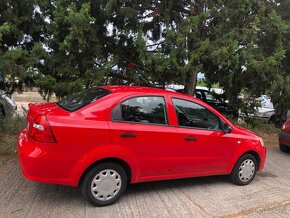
point(103, 152)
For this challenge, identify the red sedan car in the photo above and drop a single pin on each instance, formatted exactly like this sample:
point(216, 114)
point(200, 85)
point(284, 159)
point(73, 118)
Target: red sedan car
point(284, 137)
point(103, 138)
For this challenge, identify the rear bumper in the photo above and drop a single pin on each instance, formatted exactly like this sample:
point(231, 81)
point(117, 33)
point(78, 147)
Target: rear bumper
point(40, 163)
point(284, 139)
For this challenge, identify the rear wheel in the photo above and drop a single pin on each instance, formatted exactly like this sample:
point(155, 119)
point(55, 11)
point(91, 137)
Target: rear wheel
point(104, 184)
point(245, 170)
point(284, 148)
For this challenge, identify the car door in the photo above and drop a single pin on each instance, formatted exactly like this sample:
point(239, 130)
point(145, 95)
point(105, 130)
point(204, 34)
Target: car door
point(140, 125)
point(204, 147)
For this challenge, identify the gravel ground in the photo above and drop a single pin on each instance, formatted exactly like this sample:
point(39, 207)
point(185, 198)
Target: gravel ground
point(267, 196)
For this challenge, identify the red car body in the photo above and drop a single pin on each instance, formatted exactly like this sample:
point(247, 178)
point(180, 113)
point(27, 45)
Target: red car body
point(88, 135)
point(284, 137)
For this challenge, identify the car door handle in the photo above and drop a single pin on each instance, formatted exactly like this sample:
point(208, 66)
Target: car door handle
point(128, 135)
point(189, 138)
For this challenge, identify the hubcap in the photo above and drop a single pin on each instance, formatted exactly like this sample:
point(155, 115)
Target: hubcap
point(247, 170)
point(106, 185)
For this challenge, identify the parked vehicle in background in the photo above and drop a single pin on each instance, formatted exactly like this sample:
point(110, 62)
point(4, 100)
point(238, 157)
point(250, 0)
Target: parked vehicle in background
point(213, 100)
point(266, 112)
point(7, 104)
point(210, 97)
point(284, 137)
point(102, 138)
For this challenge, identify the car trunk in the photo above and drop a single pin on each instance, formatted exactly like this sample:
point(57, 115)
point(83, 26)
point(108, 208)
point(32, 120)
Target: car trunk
point(38, 117)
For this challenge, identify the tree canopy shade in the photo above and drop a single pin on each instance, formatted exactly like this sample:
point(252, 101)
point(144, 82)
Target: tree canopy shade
point(64, 46)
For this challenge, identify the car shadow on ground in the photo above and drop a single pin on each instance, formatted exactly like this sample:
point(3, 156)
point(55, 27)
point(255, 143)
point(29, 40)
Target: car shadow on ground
point(175, 184)
point(60, 194)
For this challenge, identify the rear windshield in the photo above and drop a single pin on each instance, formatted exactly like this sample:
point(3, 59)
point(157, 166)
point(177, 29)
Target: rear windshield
point(81, 99)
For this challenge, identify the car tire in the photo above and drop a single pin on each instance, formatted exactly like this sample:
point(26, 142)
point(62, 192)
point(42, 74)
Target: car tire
point(104, 184)
point(2, 111)
point(284, 148)
point(244, 170)
point(272, 120)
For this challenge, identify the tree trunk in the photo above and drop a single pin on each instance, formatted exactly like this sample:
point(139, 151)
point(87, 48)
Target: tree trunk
point(191, 83)
point(234, 103)
point(280, 115)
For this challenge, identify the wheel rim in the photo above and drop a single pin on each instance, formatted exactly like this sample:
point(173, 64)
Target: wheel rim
point(106, 185)
point(247, 170)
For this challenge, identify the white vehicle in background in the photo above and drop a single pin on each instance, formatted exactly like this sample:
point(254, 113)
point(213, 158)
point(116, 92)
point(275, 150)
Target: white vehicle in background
point(177, 88)
point(267, 111)
point(7, 104)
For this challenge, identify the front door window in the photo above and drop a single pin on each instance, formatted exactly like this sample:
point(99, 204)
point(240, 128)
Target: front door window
point(190, 114)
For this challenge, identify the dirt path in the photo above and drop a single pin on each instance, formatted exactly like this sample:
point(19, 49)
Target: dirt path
point(267, 196)
point(23, 99)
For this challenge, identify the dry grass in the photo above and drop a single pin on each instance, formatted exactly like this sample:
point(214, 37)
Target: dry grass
point(268, 132)
point(9, 131)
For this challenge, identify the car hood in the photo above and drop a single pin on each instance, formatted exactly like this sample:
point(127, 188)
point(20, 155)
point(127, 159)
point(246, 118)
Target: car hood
point(247, 132)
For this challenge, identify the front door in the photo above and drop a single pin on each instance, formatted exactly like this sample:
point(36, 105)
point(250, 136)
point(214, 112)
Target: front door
point(204, 147)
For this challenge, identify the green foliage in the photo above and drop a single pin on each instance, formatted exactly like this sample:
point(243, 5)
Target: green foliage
point(65, 46)
point(20, 27)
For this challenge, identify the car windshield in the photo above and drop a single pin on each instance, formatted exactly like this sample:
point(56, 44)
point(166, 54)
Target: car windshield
point(81, 99)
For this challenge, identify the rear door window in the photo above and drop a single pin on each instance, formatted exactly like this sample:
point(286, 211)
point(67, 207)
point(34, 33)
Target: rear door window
point(81, 99)
point(146, 110)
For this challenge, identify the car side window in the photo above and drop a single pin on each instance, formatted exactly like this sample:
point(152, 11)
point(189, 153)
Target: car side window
point(198, 94)
point(147, 109)
point(190, 114)
point(210, 98)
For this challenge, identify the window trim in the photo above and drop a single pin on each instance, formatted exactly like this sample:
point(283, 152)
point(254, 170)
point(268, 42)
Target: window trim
point(140, 96)
point(188, 127)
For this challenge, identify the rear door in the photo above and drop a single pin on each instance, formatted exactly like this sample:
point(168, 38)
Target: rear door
point(140, 124)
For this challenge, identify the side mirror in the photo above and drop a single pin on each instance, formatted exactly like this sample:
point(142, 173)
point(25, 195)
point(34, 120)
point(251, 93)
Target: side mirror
point(226, 128)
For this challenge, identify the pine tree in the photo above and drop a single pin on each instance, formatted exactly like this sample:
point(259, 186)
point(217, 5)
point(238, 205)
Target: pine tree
point(20, 28)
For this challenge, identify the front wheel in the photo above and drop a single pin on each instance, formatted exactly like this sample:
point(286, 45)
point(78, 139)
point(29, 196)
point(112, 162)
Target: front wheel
point(104, 184)
point(245, 170)
point(284, 148)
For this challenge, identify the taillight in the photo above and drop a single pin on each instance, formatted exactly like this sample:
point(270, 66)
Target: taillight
point(41, 131)
point(286, 127)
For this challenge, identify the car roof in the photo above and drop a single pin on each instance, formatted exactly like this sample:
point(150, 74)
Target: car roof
point(141, 89)
point(149, 90)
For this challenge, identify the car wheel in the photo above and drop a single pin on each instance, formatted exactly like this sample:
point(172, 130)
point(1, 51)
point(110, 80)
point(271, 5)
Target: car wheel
point(245, 170)
point(272, 120)
point(284, 148)
point(104, 184)
point(2, 111)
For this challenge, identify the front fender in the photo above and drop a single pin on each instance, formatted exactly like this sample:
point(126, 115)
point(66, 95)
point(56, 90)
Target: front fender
point(253, 146)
